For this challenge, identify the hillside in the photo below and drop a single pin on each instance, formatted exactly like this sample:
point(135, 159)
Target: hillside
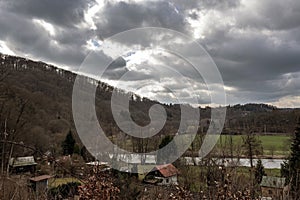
point(41, 94)
point(35, 108)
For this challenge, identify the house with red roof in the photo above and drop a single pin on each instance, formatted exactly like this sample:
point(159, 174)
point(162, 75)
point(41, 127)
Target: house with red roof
point(163, 175)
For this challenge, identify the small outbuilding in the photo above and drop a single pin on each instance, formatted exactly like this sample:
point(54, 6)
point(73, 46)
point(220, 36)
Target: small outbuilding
point(163, 175)
point(273, 188)
point(39, 184)
point(22, 164)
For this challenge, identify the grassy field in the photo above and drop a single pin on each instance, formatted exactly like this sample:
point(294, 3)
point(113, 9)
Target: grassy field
point(272, 144)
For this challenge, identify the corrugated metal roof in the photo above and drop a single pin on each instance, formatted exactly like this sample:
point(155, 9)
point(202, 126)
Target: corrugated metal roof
point(167, 170)
point(274, 182)
point(40, 178)
point(22, 161)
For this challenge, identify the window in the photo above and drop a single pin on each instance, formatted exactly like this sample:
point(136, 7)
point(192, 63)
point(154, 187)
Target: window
point(270, 192)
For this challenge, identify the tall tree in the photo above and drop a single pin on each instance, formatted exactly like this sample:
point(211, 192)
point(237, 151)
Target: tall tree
point(12, 122)
point(68, 144)
point(259, 172)
point(291, 168)
point(252, 147)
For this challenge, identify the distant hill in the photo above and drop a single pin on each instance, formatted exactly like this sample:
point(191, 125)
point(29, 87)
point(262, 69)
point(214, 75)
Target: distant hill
point(42, 94)
point(260, 118)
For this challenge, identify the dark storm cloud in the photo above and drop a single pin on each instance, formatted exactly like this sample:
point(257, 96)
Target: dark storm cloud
point(273, 15)
point(116, 69)
point(259, 57)
point(117, 63)
point(255, 44)
point(256, 68)
point(26, 37)
point(61, 12)
point(205, 4)
point(122, 16)
point(255, 54)
point(73, 36)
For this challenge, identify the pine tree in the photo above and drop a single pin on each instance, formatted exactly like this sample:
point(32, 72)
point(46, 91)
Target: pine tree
point(291, 168)
point(259, 172)
point(68, 144)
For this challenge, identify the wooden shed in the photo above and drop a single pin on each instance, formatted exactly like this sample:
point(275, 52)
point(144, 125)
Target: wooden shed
point(39, 184)
point(273, 188)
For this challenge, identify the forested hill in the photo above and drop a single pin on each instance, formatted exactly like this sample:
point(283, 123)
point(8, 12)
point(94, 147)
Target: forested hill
point(35, 105)
point(260, 118)
point(36, 102)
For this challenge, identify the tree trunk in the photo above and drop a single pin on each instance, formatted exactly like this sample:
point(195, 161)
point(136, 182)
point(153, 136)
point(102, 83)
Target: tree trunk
point(9, 157)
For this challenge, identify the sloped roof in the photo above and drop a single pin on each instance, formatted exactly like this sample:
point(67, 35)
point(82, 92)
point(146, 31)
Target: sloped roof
point(40, 178)
point(274, 182)
point(166, 170)
point(22, 161)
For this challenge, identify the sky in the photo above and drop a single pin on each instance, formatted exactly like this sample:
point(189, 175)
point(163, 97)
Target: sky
point(255, 44)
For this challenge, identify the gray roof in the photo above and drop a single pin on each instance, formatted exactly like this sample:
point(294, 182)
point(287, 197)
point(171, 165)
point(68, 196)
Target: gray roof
point(22, 161)
point(274, 182)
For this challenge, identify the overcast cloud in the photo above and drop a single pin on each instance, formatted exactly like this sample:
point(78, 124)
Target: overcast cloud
point(255, 44)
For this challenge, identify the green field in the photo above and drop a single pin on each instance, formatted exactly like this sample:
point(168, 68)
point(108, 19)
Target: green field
point(272, 144)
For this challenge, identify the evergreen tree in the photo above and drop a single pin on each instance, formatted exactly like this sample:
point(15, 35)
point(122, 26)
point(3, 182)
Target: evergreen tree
point(77, 149)
point(291, 168)
point(259, 172)
point(86, 155)
point(68, 144)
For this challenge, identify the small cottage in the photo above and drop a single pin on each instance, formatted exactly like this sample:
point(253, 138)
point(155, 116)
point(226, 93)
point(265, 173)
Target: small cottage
point(163, 175)
point(39, 184)
point(22, 164)
point(273, 188)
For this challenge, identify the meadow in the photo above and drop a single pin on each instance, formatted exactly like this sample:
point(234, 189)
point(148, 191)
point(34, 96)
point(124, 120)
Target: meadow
point(273, 145)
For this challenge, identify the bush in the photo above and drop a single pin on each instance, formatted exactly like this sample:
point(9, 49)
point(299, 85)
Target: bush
point(64, 190)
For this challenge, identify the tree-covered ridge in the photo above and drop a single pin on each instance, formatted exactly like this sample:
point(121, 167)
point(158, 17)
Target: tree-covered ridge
point(45, 92)
point(42, 94)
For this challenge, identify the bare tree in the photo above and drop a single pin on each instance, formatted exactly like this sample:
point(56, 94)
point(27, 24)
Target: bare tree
point(252, 147)
point(11, 123)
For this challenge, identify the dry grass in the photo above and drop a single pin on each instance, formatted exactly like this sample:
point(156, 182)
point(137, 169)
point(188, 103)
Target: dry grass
point(54, 182)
